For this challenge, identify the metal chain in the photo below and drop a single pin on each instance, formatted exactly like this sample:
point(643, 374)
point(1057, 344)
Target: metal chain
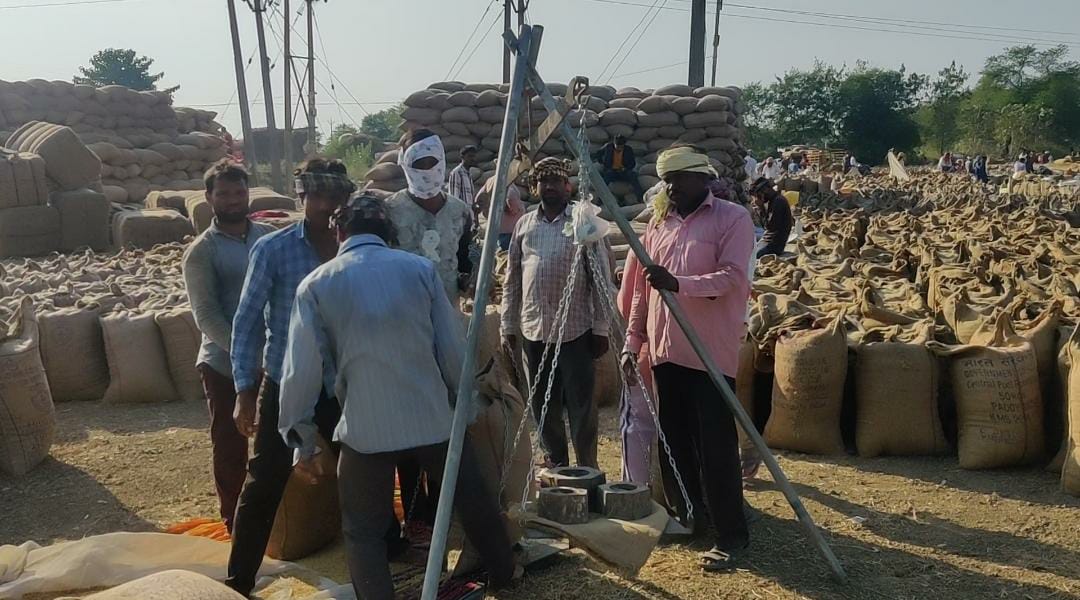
point(608, 301)
point(561, 313)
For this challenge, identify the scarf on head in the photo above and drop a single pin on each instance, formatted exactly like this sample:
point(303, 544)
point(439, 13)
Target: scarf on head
point(424, 183)
point(550, 167)
point(324, 183)
point(678, 159)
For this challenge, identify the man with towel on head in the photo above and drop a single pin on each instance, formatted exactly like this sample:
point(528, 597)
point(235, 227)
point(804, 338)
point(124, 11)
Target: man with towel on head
point(429, 222)
point(702, 247)
point(437, 226)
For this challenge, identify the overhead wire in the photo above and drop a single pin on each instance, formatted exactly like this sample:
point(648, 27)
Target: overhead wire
point(469, 39)
point(479, 43)
point(69, 3)
point(914, 31)
point(637, 41)
point(626, 39)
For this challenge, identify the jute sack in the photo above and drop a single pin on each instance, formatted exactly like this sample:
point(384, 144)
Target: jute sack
point(73, 353)
point(262, 198)
point(169, 585)
point(808, 390)
point(27, 418)
point(1064, 365)
point(503, 460)
point(138, 368)
point(148, 228)
point(1042, 333)
point(68, 161)
point(181, 338)
point(29, 231)
point(607, 385)
point(309, 516)
point(1070, 471)
point(896, 386)
point(995, 382)
point(84, 219)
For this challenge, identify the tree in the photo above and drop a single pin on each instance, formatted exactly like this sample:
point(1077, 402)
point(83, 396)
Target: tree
point(875, 109)
point(803, 105)
point(383, 124)
point(114, 66)
point(939, 118)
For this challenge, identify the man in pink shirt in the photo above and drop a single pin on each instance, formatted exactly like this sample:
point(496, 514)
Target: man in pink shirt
point(702, 248)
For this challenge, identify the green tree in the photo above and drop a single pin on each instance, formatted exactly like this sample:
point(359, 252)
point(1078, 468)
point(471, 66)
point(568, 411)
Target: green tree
point(802, 106)
point(114, 66)
point(875, 110)
point(384, 124)
point(939, 118)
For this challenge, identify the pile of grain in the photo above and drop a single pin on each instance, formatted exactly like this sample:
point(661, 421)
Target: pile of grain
point(652, 120)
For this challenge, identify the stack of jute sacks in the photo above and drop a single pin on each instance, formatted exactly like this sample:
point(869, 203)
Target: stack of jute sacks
point(652, 120)
point(47, 201)
point(918, 318)
point(143, 143)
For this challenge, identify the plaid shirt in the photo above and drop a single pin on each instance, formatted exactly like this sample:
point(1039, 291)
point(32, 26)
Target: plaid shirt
point(461, 186)
point(278, 263)
point(540, 259)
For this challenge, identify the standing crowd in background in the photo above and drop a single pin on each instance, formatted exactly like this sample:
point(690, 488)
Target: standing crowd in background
point(336, 344)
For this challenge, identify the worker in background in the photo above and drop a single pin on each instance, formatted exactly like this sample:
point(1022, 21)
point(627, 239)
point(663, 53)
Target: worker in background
point(775, 213)
point(980, 169)
point(945, 163)
point(618, 163)
point(1020, 166)
point(460, 185)
point(278, 263)
point(541, 256)
point(438, 227)
point(770, 169)
point(702, 247)
point(399, 346)
point(513, 209)
point(214, 268)
point(795, 165)
point(429, 222)
point(750, 164)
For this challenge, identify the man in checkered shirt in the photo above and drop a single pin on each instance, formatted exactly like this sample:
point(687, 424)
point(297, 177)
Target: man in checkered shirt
point(541, 254)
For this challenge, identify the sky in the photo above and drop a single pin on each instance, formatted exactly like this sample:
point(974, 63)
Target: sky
point(376, 52)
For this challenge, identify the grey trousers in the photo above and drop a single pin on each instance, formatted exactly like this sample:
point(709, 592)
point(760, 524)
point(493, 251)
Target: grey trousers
point(366, 489)
point(572, 390)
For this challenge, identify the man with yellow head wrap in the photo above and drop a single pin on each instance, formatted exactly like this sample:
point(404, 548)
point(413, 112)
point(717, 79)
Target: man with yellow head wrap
point(701, 246)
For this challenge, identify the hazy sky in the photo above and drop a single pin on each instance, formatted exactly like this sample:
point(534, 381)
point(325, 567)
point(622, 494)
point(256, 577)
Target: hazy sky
point(381, 50)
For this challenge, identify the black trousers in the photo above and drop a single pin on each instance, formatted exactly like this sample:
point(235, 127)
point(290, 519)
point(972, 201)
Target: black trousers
point(366, 489)
point(268, 473)
point(571, 390)
point(704, 442)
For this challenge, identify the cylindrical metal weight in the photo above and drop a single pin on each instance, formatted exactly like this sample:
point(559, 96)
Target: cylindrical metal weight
point(569, 506)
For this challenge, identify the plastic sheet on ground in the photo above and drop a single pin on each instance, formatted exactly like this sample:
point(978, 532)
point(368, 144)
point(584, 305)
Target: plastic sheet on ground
point(113, 559)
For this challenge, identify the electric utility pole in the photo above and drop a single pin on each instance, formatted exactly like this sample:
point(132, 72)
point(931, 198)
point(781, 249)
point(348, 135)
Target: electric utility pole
point(241, 92)
point(696, 77)
point(313, 143)
point(287, 143)
point(715, 39)
point(268, 97)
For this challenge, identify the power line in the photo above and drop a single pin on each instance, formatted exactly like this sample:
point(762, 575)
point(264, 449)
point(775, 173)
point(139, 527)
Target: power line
point(70, 3)
point(464, 46)
point(637, 41)
point(858, 28)
point(477, 47)
point(626, 39)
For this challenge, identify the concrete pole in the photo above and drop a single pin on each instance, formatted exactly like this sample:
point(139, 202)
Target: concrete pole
point(242, 95)
point(268, 98)
point(696, 77)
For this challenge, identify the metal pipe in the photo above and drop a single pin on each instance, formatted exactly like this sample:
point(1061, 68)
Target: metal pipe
point(733, 404)
point(480, 301)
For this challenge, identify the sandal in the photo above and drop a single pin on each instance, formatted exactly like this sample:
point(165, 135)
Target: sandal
point(719, 561)
point(751, 464)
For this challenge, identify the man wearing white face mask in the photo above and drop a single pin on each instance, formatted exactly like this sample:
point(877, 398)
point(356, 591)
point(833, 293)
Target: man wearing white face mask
point(429, 222)
point(437, 226)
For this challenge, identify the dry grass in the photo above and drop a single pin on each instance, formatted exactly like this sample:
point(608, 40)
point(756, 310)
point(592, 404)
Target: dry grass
point(903, 528)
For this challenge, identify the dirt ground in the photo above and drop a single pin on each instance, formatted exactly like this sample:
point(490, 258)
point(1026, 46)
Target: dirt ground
point(903, 528)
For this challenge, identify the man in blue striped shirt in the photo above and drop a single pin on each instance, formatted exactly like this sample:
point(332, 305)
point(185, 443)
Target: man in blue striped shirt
point(383, 316)
point(278, 262)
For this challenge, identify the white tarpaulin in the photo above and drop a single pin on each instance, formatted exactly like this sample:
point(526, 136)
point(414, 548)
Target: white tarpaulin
point(113, 559)
point(896, 169)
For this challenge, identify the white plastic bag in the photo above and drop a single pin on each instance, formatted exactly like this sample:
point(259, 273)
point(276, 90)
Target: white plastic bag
point(587, 226)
